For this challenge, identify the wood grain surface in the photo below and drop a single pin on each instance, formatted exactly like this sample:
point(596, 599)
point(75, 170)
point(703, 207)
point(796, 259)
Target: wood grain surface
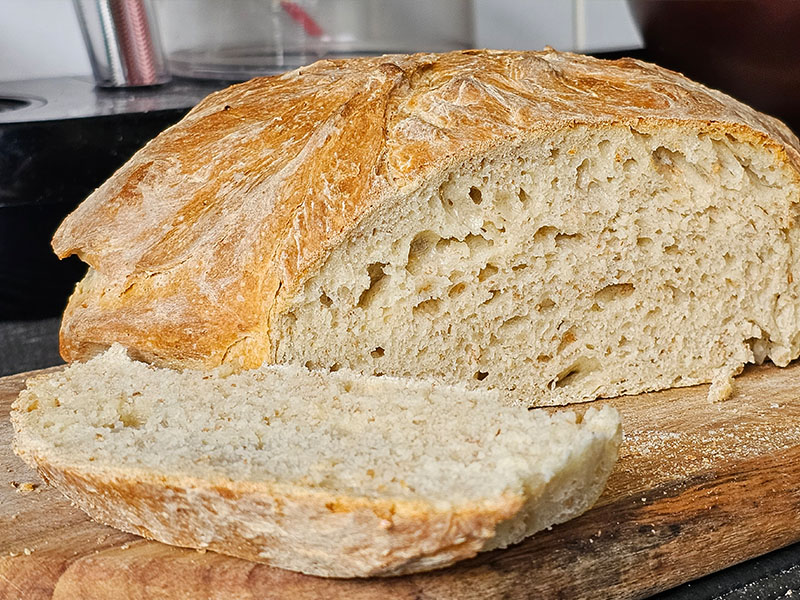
point(698, 487)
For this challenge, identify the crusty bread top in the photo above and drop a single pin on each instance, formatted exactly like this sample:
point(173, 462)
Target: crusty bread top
point(216, 221)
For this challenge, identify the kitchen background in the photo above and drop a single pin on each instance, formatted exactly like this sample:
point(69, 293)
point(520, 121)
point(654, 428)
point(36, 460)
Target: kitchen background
point(41, 38)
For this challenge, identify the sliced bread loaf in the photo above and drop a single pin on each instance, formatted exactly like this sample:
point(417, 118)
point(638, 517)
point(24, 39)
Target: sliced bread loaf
point(549, 225)
point(330, 474)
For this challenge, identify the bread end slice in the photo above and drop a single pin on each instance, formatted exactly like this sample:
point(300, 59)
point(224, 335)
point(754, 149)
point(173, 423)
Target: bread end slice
point(336, 474)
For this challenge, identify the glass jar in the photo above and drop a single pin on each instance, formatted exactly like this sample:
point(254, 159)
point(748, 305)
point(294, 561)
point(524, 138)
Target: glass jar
point(238, 39)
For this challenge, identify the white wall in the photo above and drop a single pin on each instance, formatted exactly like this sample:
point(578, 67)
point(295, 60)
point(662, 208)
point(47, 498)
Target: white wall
point(581, 25)
point(41, 38)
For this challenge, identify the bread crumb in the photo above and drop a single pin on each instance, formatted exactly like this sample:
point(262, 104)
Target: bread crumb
point(27, 551)
point(23, 488)
point(721, 388)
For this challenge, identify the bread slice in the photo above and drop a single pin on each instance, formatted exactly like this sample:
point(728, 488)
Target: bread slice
point(334, 474)
point(549, 225)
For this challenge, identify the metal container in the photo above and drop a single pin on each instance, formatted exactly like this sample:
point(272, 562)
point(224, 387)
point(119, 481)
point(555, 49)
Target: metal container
point(123, 42)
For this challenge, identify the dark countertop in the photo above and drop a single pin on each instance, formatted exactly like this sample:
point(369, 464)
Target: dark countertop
point(28, 345)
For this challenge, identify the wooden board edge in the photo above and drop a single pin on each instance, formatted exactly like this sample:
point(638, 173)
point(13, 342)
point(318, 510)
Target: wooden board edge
point(630, 549)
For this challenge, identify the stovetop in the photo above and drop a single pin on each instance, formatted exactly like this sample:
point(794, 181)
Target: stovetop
point(58, 98)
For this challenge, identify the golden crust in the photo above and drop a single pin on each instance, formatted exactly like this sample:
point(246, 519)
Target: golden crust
point(194, 242)
point(285, 526)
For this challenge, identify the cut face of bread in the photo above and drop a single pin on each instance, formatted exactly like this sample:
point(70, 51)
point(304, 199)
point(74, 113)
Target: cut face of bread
point(551, 226)
point(604, 261)
point(330, 474)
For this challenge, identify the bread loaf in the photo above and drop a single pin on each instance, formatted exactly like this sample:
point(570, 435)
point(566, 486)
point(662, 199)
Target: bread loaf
point(330, 474)
point(549, 225)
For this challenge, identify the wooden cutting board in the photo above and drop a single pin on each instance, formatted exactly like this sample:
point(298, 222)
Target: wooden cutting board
point(698, 487)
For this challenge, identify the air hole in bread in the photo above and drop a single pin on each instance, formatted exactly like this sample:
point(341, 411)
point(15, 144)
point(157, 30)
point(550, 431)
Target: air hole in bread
point(492, 229)
point(562, 238)
point(628, 166)
point(428, 307)
point(565, 377)
point(477, 243)
point(419, 249)
point(566, 339)
point(481, 375)
point(476, 195)
point(325, 300)
point(493, 295)
point(130, 419)
point(615, 291)
point(377, 353)
point(488, 271)
point(760, 348)
point(545, 304)
point(575, 373)
point(583, 174)
point(457, 290)
point(678, 295)
point(376, 275)
point(668, 161)
point(663, 155)
point(514, 325)
point(544, 233)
